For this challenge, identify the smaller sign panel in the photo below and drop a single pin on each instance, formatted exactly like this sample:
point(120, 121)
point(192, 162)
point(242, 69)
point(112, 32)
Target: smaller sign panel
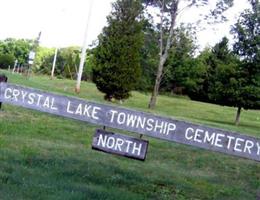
point(120, 144)
point(31, 55)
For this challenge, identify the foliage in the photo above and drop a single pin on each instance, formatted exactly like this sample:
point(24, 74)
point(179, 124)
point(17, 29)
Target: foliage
point(179, 65)
point(226, 80)
point(42, 54)
point(219, 78)
point(117, 56)
point(6, 60)
point(169, 11)
point(224, 76)
point(66, 63)
point(247, 46)
point(149, 58)
point(19, 48)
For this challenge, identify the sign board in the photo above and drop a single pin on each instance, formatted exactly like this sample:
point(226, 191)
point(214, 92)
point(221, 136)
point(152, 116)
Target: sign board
point(135, 121)
point(120, 144)
point(31, 55)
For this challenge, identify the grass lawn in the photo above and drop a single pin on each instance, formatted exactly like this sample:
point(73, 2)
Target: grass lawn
point(49, 157)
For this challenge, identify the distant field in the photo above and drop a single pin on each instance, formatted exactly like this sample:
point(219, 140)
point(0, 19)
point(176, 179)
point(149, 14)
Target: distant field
point(49, 157)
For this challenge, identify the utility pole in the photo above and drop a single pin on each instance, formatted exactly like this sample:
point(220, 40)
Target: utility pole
point(83, 51)
point(54, 63)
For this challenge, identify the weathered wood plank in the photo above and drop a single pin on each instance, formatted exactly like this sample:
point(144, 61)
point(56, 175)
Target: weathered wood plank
point(118, 144)
point(135, 121)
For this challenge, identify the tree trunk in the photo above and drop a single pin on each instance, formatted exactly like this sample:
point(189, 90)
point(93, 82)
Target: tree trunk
point(164, 50)
point(156, 86)
point(238, 115)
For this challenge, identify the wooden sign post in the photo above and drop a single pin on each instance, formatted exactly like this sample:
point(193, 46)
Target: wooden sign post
point(135, 121)
point(3, 78)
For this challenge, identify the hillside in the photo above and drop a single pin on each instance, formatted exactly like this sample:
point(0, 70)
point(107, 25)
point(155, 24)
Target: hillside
point(49, 157)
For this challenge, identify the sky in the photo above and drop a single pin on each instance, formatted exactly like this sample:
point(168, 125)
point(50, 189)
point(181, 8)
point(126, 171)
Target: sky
point(63, 22)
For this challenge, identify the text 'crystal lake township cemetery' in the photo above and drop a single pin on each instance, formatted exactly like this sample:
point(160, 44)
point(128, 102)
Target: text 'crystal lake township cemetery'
point(134, 121)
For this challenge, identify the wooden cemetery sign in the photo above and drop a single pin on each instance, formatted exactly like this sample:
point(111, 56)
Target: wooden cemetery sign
point(135, 121)
point(120, 144)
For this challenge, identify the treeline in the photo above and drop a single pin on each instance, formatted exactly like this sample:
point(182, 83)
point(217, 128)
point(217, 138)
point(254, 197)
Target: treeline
point(15, 53)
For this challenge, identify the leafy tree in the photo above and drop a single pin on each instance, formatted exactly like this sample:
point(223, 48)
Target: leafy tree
point(169, 10)
point(19, 48)
point(117, 56)
point(42, 54)
point(247, 46)
point(6, 60)
point(197, 83)
point(180, 61)
point(218, 77)
point(149, 58)
point(225, 79)
point(66, 63)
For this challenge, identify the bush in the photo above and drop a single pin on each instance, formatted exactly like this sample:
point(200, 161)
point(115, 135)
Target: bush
point(6, 60)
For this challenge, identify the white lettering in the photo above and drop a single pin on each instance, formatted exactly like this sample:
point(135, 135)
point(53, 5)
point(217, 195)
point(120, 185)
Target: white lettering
point(110, 142)
point(52, 104)
point(94, 112)
point(188, 130)
point(229, 140)
point(46, 103)
point(68, 108)
point(238, 144)
point(102, 140)
point(31, 97)
point(128, 145)
point(138, 149)
point(119, 143)
point(131, 120)
point(218, 140)
point(171, 127)
point(248, 145)
point(24, 95)
point(121, 118)
point(39, 99)
point(158, 126)
point(197, 135)
point(140, 122)
point(16, 93)
point(113, 112)
point(86, 110)
point(258, 148)
point(79, 110)
point(209, 139)
point(149, 125)
point(6, 93)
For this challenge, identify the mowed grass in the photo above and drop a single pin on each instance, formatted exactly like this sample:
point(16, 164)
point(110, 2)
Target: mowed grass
point(48, 157)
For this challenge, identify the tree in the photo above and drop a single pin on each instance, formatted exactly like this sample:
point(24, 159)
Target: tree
point(169, 10)
point(247, 45)
point(66, 64)
point(149, 58)
point(117, 56)
point(6, 60)
point(180, 61)
point(18, 48)
point(224, 80)
point(42, 54)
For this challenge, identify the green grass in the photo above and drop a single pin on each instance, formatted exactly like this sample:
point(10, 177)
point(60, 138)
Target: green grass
point(49, 157)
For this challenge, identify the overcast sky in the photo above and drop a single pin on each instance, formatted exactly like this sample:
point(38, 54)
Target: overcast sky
point(63, 22)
